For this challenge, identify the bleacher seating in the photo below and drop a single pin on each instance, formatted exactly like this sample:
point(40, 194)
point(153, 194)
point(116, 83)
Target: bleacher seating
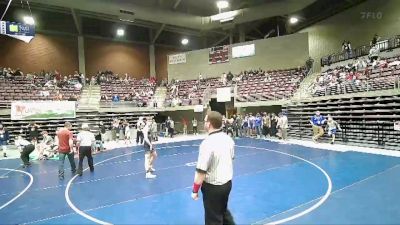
point(122, 88)
point(253, 86)
point(366, 121)
point(190, 96)
point(281, 85)
point(21, 88)
point(376, 79)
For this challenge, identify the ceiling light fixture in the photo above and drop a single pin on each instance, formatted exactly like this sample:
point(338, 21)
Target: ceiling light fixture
point(224, 16)
point(29, 20)
point(120, 32)
point(185, 41)
point(222, 4)
point(293, 20)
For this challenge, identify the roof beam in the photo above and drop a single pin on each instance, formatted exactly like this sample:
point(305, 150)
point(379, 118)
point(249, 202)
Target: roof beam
point(258, 31)
point(77, 21)
point(158, 33)
point(221, 40)
point(176, 4)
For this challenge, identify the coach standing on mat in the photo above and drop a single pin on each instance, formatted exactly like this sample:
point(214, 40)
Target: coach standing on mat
point(214, 171)
point(317, 121)
point(65, 149)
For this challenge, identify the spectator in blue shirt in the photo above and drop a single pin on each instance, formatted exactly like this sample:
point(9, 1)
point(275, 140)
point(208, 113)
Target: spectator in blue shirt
point(258, 124)
point(317, 121)
point(115, 98)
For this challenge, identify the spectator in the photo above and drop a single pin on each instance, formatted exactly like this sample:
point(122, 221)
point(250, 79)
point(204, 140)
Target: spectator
point(44, 93)
point(375, 40)
point(115, 98)
point(184, 123)
point(374, 53)
point(258, 125)
point(78, 86)
point(73, 98)
point(103, 97)
point(4, 139)
point(194, 124)
point(153, 130)
point(283, 125)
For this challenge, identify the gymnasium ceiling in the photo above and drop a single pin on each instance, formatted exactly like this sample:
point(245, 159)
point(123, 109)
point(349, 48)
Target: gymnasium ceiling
point(165, 22)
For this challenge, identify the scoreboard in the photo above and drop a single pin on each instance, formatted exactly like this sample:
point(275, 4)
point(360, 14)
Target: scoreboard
point(219, 54)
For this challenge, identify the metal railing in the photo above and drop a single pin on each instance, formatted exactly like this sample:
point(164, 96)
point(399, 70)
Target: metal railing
point(383, 45)
point(366, 86)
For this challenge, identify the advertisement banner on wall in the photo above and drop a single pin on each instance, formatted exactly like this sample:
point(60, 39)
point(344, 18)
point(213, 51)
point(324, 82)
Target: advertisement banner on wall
point(23, 32)
point(22, 110)
point(177, 58)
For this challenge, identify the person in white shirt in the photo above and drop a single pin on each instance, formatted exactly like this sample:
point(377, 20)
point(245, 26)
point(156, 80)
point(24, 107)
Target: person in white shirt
point(44, 93)
point(374, 53)
point(127, 132)
point(78, 86)
point(214, 171)
point(150, 153)
point(283, 125)
point(153, 130)
point(194, 123)
point(85, 142)
point(26, 148)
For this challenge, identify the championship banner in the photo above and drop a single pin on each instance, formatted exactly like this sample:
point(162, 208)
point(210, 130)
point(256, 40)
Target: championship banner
point(42, 110)
point(23, 32)
point(219, 54)
point(177, 58)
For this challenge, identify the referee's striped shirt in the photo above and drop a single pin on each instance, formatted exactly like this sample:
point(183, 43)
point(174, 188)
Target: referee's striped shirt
point(216, 158)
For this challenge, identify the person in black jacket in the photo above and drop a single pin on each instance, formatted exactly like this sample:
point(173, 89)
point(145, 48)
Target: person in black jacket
point(4, 138)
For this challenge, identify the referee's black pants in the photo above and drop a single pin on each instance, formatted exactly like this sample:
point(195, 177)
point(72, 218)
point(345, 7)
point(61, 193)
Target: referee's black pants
point(139, 137)
point(215, 199)
point(85, 151)
point(28, 149)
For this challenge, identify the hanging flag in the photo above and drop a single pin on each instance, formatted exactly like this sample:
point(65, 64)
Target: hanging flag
point(20, 31)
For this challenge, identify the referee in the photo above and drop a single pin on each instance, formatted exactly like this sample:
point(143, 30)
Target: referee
point(214, 171)
point(85, 140)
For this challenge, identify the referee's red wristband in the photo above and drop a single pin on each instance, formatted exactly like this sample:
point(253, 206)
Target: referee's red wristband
point(196, 187)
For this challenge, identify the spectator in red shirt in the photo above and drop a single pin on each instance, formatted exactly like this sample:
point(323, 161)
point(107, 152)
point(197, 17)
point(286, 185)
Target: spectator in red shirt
point(65, 149)
point(185, 123)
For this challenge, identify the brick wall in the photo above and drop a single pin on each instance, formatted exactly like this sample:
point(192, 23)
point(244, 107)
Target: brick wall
point(161, 61)
point(43, 52)
point(118, 57)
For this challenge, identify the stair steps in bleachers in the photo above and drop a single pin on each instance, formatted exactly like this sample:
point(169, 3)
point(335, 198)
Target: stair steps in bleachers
point(366, 121)
point(304, 90)
point(90, 98)
point(160, 95)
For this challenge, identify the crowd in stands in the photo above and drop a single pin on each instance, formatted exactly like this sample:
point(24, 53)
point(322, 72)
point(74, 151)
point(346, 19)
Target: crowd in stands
point(45, 85)
point(362, 74)
point(140, 92)
point(252, 85)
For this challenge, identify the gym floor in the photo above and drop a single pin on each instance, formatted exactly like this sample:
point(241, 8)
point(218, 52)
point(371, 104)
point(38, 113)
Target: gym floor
point(273, 183)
